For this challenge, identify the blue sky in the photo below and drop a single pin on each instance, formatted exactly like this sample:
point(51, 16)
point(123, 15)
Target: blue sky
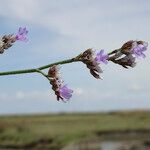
point(62, 29)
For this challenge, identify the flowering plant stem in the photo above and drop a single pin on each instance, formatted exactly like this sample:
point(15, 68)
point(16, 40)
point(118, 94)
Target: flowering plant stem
point(75, 59)
point(124, 56)
point(42, 73)
point(39, 68)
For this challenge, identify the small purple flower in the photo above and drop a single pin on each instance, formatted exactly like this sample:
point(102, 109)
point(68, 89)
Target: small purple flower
point(65, 92)
point(101, 57)
point(138, 49)
point(21, 35)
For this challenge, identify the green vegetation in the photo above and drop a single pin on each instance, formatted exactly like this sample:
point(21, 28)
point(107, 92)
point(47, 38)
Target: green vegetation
point(58, 130)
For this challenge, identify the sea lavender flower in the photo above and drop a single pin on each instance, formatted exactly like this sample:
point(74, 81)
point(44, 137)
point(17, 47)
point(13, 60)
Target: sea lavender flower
point(131, 50)
point(138, 48)
point(88, 58)
point(61, 91)
point(8, 40)
point(21, 35)
point(65, 92)
point(134, 47)
point(101, 57)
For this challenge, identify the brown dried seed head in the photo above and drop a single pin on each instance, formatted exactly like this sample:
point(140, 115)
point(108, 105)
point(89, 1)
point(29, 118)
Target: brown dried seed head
point(95, 74)
point(127, 61)
point(125, 49)
point(9, 38)
point(6, 42)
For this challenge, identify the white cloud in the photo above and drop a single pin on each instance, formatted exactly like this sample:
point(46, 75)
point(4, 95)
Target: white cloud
point(84, 99)
point(81, 19)
point(92, 93)
point(136, 87)
point(19, 9)
point(79, 93)
point(19, 95)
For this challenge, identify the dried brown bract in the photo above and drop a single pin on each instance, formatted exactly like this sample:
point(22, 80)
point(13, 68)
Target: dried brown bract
point(88, 58)
point(6, 42)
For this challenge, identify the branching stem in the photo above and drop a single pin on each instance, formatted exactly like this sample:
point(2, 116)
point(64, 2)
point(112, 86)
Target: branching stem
point(34, 70)
point(39, 68)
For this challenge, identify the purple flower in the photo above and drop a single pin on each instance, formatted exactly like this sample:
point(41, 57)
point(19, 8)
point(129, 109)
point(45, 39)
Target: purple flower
point(138, 49)
point(101, 57)
point(21, 35)
point(65, 92)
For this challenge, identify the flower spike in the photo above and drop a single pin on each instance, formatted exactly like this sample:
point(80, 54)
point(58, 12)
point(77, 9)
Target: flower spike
point(8, 40)
point(61, 91)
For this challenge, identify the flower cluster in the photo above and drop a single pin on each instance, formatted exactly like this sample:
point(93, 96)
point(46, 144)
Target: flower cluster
point(61, 90)
point(92, 62)
point(7, 40)
point(127, 54)
point(134, 47)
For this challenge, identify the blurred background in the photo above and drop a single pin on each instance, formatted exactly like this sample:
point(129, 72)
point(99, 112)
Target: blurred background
point(60, 30)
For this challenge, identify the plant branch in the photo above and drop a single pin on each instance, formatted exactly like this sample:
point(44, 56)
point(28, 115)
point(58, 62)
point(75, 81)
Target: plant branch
point(34, 70)
point(41, 72)
point(39, 68)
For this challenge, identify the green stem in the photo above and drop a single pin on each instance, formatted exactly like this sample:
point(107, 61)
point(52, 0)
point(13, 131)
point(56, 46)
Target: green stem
point(39, 68)
point(114, 51)
point(41, 72)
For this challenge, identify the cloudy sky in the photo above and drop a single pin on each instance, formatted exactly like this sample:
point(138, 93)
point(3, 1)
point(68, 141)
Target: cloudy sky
point(62, 29)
